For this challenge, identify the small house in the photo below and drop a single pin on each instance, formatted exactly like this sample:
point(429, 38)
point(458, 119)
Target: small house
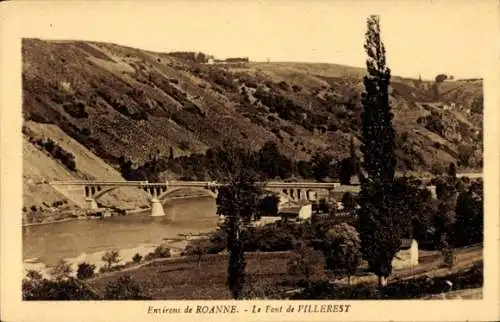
point(298, 212)
point(407, 256)
point(287, 213)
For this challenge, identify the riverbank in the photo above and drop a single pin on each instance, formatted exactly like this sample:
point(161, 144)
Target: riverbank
point(81, 214)
point(176, 245)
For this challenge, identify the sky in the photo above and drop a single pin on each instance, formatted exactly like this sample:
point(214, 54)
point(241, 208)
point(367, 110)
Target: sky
point(421, 37)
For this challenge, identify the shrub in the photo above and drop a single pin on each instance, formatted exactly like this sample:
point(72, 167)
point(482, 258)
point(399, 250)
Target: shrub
point(61, 270)
point(159, 252)
point(66, 158)
point(284, 86)
point(435, 124)
point(76, 109)
point(34, 275)
point(197, 249)
point(70, 289)
point(85, 270)
point(269, 238)
point(137, 258)
point(111, 257)
point(437, 168)
point(303, 264)
point(124, 288)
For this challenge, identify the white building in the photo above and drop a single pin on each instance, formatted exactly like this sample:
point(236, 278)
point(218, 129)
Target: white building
point(298, 212)
point(407, 256)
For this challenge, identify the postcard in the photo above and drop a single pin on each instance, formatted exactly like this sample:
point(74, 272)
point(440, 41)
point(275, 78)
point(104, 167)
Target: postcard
point(251, 160)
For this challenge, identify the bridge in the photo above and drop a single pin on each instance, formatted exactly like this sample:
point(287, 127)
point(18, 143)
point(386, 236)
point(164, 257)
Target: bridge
point(289, 192)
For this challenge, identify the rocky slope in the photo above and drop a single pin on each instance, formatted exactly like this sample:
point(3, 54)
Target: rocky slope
point(117, 102)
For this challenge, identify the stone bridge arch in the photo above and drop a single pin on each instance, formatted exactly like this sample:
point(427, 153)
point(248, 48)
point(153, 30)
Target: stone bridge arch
point(164, 195)
point(97, 192)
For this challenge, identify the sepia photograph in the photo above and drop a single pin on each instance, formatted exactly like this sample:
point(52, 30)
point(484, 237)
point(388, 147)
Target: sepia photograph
point(333, 155)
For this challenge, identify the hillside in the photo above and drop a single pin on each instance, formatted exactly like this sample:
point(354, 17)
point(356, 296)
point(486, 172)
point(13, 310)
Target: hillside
point(40, 167)
point(118, 102)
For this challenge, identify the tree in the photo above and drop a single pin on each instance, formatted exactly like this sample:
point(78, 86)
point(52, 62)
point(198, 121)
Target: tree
point(353, 158)
point(349, 166)
point(345, 172)
point(269, 205)
point(111, 257)
point(446, 251)
point(469, 216)
point(441, 78)
point(197, 249)
point(320, 164)
point(238, 202)
point(452, 170)
point(348, 201)
point(62, 270)
point(303, 263)
point(325, 206)
point(378, 226)
point(85, 270)
point(269, 157)
point(378, 133)
point(465, 154)
point(342, 250)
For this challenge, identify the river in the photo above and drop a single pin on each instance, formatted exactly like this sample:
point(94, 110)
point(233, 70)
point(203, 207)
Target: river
point(51, 242)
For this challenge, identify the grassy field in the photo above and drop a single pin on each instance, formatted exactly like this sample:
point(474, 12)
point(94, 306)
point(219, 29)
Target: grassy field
point(267, 275)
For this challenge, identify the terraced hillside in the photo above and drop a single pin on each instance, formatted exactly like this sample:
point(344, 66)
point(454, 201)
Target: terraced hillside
point(124, 102)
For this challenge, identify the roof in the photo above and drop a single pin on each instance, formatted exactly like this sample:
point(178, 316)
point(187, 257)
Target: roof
point(290, 210)
point(406, 243)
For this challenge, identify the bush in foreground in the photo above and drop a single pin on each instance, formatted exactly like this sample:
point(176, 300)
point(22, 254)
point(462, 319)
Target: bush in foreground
point(407, 289)
point(70, 289)
point(85, 270)
point(124, 288)
point(304, 263)
point(342, 250)
point(159, 252)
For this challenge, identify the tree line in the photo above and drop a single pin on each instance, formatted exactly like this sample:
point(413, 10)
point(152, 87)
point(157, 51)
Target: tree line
point(268, 163)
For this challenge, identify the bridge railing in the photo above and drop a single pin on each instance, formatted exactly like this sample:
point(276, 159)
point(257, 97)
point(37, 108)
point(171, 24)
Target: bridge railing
point(269, 184)
point(98, 183)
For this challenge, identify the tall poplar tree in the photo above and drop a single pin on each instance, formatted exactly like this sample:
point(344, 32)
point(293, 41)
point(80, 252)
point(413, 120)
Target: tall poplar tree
point(378, 225)
point(378, 133)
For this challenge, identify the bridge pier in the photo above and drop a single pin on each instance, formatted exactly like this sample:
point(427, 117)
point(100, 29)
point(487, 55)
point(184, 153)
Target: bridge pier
point(90, 203)
point(156, 206)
